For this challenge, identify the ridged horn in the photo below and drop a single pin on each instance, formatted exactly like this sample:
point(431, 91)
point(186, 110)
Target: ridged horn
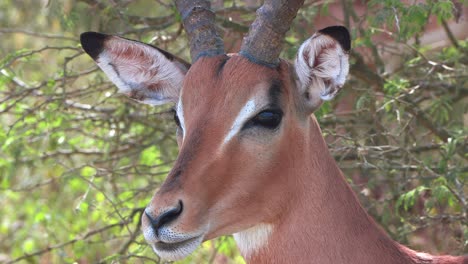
point(264, 42)
point(199, 24)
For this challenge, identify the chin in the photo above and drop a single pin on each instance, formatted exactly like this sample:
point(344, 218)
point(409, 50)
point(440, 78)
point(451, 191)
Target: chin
point(177, 250)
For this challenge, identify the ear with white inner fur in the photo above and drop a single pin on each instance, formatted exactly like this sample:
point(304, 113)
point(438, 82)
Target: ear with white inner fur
point(143, 72)
point(322, 65)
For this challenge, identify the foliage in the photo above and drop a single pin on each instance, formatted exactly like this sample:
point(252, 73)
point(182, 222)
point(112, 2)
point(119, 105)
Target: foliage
point(78, 163)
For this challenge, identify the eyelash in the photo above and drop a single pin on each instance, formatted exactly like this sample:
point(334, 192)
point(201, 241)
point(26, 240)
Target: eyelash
point(268, 119)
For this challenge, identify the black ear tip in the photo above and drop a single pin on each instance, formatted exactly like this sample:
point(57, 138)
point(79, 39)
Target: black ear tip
point(340, 34)
point(93, 43)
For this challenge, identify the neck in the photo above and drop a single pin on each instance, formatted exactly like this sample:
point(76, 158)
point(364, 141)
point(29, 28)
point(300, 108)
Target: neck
point(322, 221)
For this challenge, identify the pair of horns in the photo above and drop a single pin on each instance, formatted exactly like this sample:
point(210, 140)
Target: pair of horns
point(264, 41)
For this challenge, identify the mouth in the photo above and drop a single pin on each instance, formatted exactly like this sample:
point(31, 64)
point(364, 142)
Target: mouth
point(177, 250)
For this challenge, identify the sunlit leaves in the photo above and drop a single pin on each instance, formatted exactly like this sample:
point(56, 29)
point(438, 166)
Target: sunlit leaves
point(443, 9)
point(88, 171)
point(407, 200)
point(437, 195)
point(412, 20)
point(149, 156)
point(408, 20)
point(395, 85)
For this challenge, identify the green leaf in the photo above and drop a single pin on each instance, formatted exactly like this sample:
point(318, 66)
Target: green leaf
point(395, 85)
point(149, 156)
point(100, 197)
point(407, 200)
point(77, 185)
point(29, 245)
point(39, 216)
point(88, 171)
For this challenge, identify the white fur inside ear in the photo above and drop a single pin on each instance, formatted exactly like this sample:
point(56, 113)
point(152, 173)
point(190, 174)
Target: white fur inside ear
point(322, 67)
point(140, 71)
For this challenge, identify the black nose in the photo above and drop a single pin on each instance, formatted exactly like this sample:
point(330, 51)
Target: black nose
point(165, 217)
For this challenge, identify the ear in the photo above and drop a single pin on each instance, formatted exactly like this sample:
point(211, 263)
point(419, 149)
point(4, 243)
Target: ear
point(322, 65)
point(143, 72)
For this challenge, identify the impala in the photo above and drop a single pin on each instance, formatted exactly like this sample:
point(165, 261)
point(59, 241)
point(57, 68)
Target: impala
point(252, 159)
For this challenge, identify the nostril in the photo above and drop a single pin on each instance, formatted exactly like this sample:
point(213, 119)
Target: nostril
point(169, 216)
point(166, 217)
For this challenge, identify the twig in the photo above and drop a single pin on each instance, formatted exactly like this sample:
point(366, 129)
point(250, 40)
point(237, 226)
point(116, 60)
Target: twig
point(70, 242)
point(35, 34)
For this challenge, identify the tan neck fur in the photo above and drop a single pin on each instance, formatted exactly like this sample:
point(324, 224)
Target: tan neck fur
point(323, 221)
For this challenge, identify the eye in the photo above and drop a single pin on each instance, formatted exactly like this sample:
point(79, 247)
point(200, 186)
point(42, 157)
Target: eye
point(176, 118)
point(268, 119)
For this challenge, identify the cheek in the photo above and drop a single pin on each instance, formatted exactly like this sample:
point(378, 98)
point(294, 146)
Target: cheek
point(249, 172)
point(255, 164)
point(259, 155)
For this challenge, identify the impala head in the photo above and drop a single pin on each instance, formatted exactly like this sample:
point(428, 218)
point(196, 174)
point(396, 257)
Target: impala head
point(239, 118)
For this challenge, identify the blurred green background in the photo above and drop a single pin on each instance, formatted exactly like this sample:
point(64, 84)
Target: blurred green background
point(79, 162)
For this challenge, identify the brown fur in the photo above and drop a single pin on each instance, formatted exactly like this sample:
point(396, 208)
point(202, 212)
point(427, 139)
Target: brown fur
point(288, 179)
point(227, 180)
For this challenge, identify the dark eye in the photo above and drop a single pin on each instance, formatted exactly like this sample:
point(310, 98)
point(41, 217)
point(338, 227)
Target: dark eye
point(176, 118)
point(268, 119)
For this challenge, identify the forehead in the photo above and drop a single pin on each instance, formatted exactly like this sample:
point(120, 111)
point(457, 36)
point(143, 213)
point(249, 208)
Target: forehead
point(224, 81)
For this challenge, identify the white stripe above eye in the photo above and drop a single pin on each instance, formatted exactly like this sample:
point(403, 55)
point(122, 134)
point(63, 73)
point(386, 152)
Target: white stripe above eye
point(180, 115)
point(244, 114)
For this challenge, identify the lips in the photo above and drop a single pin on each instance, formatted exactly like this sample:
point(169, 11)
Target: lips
point(177, 250)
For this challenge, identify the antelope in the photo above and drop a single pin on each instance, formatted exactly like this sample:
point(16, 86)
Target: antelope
point(252, 160)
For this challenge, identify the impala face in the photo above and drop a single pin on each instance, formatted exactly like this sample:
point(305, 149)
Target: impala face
point(237, 122)
point(209, 191)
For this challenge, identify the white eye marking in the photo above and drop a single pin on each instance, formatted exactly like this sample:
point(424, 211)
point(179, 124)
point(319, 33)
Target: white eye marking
point(180, 115)
point(245, 113)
